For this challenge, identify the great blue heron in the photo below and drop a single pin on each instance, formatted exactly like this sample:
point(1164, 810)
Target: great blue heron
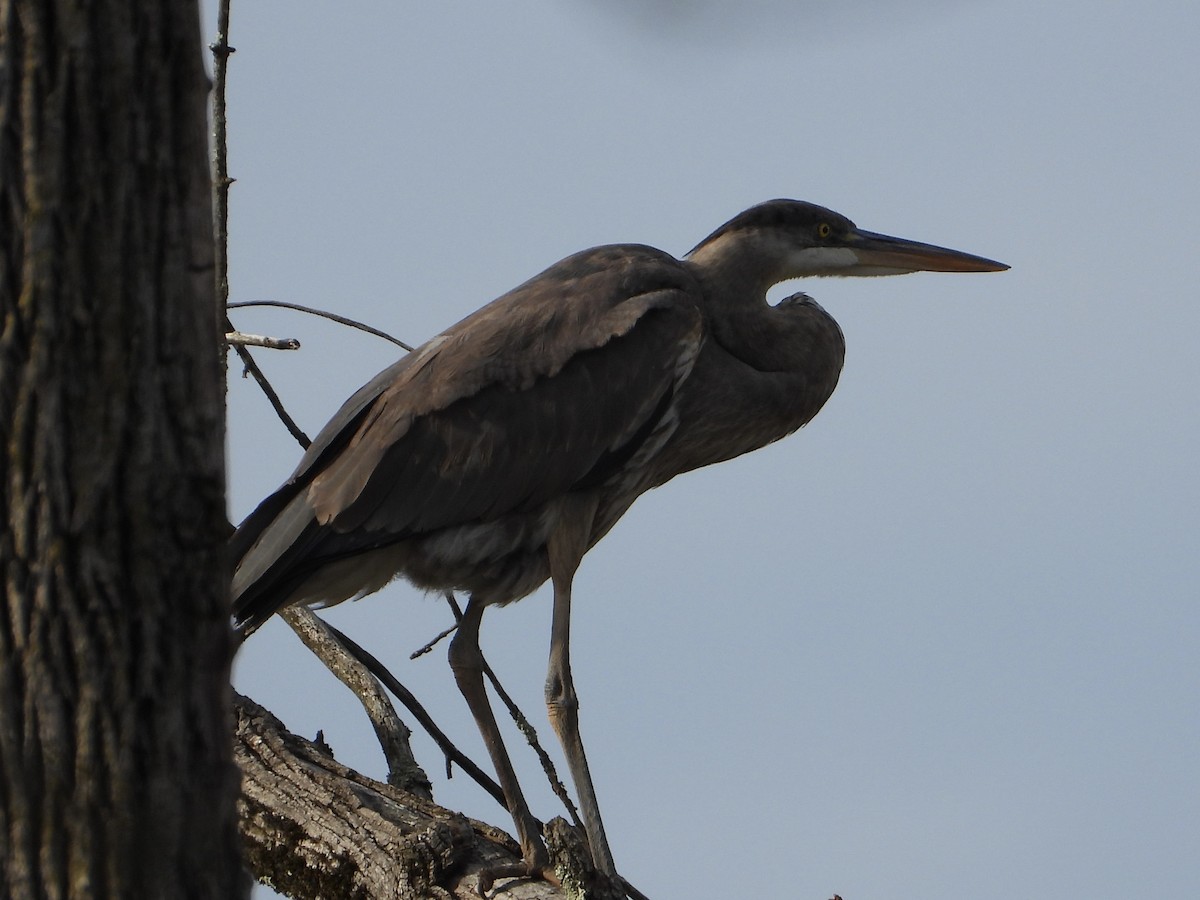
point(494, 456)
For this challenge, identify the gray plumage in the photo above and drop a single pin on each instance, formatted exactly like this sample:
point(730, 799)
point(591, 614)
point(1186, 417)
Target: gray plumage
point(492, 457)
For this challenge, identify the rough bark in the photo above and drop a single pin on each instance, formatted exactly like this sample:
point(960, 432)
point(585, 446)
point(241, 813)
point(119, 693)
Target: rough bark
point(116, 777)
point(316, 828)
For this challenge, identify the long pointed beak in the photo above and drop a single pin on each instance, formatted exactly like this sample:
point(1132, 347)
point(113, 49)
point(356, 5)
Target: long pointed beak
point(882, 254)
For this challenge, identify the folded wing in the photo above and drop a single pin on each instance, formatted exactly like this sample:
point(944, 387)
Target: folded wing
point(554, 387)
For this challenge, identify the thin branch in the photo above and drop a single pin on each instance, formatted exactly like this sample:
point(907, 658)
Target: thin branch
point(526, 729)
point(403, 769)
point(221, 52)
point(421, 651)
point(413, 705)
point(251, 368)
point(243, 339)
point(334, 317)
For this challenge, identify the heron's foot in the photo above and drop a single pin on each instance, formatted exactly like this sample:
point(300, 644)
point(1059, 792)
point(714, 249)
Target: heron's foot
point(564, 861)
point(536, 868)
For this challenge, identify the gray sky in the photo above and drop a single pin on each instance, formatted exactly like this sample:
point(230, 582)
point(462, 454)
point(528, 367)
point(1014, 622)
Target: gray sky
point(941, 643)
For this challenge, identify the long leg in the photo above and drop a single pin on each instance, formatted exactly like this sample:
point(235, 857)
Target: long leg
point(466, 661)
point(568, 542)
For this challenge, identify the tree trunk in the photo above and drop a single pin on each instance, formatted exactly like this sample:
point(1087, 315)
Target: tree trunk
point(116, 776)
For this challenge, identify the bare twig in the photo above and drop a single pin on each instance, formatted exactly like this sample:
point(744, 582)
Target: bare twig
point(257, 340)
point(421, 651)
point(252, 369)
point(403, 770)
point(341, 320)
point(221, 51)
point(526, 729)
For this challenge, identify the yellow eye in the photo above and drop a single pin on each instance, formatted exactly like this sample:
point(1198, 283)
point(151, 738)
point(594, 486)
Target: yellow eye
point(824, 230)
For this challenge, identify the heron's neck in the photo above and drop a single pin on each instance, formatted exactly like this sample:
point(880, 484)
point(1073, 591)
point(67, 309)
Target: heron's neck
point(730, 268)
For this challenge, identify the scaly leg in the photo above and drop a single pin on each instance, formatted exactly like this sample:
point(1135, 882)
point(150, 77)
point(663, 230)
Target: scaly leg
point(566, 546)
point(466, 661)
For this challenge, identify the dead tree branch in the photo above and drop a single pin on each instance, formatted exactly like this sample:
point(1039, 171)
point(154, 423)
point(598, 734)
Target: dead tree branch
point(242, 339)
point(314, 827)
point(403, 770)
point(324, 314)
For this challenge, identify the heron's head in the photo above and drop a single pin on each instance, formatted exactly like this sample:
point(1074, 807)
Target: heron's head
point(785, 239)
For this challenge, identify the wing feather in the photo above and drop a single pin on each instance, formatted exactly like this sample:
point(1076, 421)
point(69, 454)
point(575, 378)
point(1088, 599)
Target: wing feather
point(549, 388)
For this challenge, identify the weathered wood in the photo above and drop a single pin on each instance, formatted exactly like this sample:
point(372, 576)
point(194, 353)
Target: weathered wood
point(314, 827)
point(403, 769)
